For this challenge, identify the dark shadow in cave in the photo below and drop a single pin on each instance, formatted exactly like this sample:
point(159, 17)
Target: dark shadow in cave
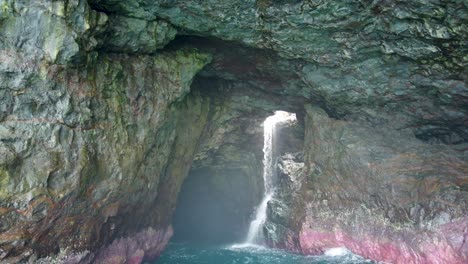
point(214, 207)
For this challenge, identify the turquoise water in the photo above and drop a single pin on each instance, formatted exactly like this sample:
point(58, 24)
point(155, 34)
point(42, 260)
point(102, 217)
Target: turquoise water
point(181, 253)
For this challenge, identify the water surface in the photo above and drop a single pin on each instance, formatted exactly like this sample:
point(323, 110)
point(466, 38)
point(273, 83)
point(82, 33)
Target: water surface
point(183, 253)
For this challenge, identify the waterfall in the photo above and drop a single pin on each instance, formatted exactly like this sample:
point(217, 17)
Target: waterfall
point(269, 126)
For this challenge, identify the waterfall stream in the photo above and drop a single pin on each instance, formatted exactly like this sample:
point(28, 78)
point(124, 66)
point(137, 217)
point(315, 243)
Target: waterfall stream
point(253, 249)
point(254, 235)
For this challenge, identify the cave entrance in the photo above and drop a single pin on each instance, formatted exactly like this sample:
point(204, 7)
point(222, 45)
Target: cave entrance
point(219, 198)
point(214, 206)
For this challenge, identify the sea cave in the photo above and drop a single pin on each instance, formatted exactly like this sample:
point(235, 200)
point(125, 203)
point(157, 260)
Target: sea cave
point(242, 131)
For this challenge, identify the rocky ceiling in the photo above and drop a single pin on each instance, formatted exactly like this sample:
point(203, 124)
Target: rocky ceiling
point(402, 63)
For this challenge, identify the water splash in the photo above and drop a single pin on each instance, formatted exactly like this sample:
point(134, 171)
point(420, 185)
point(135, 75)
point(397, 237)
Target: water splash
point(338, 251)
point(259, 220)
point(181, 253)
point(269, 127)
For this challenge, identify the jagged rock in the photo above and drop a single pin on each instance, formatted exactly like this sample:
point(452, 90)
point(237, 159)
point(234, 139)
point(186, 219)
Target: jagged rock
point(100, 122)
point(133, 35)
point(84, 135)
point(366, 188)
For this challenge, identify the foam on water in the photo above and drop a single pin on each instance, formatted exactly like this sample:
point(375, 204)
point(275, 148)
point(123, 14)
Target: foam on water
point(245, 246)
point(339, 251)
point(180, 253)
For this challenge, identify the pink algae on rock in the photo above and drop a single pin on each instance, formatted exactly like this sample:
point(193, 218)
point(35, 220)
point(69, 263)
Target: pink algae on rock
point(145, 245)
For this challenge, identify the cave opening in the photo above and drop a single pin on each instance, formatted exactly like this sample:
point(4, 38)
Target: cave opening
point(107, 107)
point(224, 201)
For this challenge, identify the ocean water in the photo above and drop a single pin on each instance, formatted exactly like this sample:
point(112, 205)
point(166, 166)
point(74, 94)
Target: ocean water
point(183, 253)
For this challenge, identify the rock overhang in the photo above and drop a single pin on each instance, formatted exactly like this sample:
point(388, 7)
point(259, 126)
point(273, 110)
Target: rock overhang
point(387, 62)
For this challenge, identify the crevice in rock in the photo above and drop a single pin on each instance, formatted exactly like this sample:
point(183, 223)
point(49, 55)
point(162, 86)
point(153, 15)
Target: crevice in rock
point(433, 134)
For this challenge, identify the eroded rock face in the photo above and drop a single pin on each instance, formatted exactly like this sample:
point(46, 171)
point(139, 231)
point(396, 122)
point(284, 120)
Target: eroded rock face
point(135, 36)
point(99, 126)
point(399, 62)
point(330, 33)
point(87, 138)
point(91, 139)
point(377, 192)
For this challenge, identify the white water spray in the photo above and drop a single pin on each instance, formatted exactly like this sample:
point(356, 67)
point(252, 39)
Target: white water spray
point(269, 127)
point(339, 251)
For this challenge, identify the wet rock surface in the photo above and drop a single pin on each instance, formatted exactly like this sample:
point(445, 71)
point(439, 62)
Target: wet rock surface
point(102, 118)
point(399, 62)
point(375, 191)
point(86, 137)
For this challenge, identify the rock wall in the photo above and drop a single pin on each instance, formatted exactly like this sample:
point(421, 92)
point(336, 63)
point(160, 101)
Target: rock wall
point(375, 191)
point(399, 62)
point(99, 125)
point(89, 141)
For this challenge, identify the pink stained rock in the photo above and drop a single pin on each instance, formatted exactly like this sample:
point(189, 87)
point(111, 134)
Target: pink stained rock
point(137, 257)
point(381, 249)
point(145, 245)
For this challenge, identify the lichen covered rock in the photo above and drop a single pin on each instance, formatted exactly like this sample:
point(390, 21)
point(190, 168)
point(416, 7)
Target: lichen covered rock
point(376, 192)
point(100, 123)
point(86, 137)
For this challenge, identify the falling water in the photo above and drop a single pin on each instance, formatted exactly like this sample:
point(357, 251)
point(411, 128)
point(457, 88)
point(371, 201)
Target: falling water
point(269, 126)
